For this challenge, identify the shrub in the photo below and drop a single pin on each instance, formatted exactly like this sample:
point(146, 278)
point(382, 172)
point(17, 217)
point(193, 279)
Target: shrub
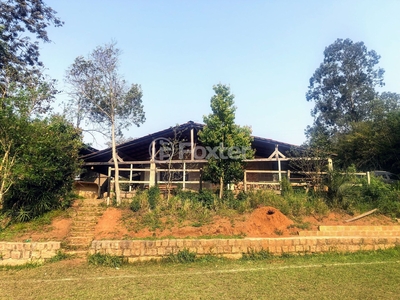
point(46, 162)
point(135, 204)
point(153, 196)
point(107, 260)
point(59, 256)
point(256, 255)
point(183, 256)
point(139, 201)
point(286, 188)
point(187, 195)
point(206, 197)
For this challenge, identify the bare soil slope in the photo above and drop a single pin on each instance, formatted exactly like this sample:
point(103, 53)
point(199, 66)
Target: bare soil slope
point(262, 222)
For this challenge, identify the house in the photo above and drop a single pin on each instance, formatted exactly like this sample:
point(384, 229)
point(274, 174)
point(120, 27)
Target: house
point(176, 155)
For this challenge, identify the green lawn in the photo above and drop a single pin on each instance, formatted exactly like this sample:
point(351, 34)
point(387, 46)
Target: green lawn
point(368, 275)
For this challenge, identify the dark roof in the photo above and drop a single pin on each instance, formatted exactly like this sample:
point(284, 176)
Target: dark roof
point(138, 149)
point(86, 150)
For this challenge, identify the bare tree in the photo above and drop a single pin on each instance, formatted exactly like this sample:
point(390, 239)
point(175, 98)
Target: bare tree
point(310, 163)
point(103, 94)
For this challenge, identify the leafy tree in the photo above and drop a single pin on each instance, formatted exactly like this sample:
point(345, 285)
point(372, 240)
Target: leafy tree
point(230, 142)
point(104, 95)
point(46, 162)
point(372, 145)
point(383, 104)
point(20, 67)
point(20, 55)
point(11, 126)
point(343, 87)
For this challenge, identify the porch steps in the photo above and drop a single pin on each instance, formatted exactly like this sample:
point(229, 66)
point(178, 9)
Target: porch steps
point(356, 231)
point(84, 221)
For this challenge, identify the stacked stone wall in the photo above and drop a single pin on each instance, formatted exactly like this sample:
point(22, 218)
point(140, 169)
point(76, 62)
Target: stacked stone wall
point(136, 250)
point(28, 251)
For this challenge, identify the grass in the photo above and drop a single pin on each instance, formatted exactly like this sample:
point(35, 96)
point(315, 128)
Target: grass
point(39, 224)
point(364, 275)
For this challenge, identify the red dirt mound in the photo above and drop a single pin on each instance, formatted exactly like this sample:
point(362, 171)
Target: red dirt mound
point(266, 221)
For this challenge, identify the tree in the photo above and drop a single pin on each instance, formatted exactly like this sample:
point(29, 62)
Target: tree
point(343, 87)
point(372, 145)
point(104, 95)
point(19, 59)
point(231, 144)
point(10, 127)
point(46, 162)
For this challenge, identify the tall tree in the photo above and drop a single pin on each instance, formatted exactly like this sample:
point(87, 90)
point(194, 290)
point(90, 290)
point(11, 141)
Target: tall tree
point(231, 144)
point(20, 66)
point(105, 96)
point(343, 87)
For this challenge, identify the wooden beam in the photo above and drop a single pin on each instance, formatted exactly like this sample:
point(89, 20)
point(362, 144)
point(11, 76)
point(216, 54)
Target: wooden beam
point(362, 216)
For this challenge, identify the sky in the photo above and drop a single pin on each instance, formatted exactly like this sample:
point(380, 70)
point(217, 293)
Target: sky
point(266, 51)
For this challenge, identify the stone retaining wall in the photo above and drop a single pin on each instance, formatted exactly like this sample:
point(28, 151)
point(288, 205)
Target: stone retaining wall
point(137, 250)
point(28, 251)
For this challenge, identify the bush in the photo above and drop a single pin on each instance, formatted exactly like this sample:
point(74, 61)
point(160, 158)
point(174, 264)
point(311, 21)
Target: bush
point(184, 256)
point(153, 196)
point(139, 201)
point(187, 195)
point(206, 197)
point(46, 163)
point(254, 255)
point(135, 204)
point(286, 187)
point(106, 260)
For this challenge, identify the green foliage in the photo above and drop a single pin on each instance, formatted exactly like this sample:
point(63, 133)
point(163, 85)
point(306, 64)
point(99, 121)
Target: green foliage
point(153, 196)
point(59, 257)
point(372, 145)
point(342, 189)
point(20, 67)
point(140, 200)
point(183, 257)
point(382, 196)
point(343, 87)
point(232, 143)
point(46, 162)
point(152, 221)
point(352, 194)
point(286, 187)
point(206, 197)
point(101, 96)
point(256, 255)
point(259, 198)
point(39, 224)
point(135, 204)
point(106, 260)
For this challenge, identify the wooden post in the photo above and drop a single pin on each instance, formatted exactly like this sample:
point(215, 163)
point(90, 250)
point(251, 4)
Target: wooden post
point(245, 181)
point(279, 163)
point(109, 186)
point(184, 176)
point(191, 144)
point(99, 188)
point(330, 164)
point(152, 176)
point(368, 178)
point(201, 180)
point(130, 178)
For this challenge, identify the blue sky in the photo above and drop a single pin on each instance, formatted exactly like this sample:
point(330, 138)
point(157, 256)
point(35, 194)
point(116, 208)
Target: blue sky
point(266, 51)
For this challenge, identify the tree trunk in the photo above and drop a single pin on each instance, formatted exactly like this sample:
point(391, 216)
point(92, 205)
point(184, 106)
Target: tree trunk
point(221, 187)
point(116, 167)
